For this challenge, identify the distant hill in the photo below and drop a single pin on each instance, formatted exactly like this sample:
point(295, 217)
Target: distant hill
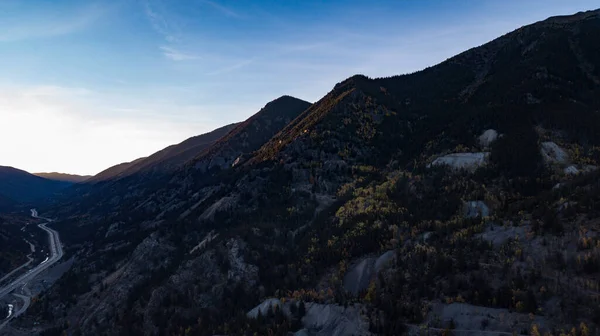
point(20, 186)
point(72, 178)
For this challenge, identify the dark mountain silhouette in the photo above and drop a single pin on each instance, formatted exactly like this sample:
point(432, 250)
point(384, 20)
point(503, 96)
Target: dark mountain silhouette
point(19, 186)
point(63, 177)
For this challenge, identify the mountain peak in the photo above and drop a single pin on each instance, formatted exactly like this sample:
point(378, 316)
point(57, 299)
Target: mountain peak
point(285, 99)
point(352, 82)
point(574, 17)
point(251, 134)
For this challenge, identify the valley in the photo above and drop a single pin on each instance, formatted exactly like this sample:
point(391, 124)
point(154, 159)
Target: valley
point(21, 283)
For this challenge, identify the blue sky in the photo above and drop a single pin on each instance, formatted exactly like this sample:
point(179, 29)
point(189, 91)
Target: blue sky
point(89, 84)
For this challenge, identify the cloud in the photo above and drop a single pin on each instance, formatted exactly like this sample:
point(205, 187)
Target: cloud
point(42, 23)
point(224, 10)
point(232, 67)
point(168, 29)
point(177, 55)
point(159, 22)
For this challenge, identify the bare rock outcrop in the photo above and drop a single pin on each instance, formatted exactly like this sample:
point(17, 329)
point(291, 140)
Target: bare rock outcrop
point(457, 161)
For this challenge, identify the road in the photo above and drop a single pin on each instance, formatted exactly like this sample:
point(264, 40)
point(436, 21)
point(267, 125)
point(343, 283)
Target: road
point(26, 303)
point(56, 253)
point(17, 269)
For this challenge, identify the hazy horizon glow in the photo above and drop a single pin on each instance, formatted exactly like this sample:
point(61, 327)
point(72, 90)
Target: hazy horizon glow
point(87, 85)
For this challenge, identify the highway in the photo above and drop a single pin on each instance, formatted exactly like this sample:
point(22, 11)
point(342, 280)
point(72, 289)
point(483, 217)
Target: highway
point(56, 253)
point(16, 269)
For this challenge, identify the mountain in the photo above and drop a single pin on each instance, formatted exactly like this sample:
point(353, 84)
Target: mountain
point(210, 148)
point(463, 196)
point(175, 155)
point(132, 184)
point(113, 172)
point(20, 186)
point(63, 177)
point(165, 159)
point(251, 134)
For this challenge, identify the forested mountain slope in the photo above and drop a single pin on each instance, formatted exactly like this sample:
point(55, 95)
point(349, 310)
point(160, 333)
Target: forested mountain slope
point(461, 196)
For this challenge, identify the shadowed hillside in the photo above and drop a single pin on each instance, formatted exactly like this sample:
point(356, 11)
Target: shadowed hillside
point(20, 186)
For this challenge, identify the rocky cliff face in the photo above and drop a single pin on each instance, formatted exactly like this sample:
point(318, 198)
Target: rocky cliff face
point(352, 177)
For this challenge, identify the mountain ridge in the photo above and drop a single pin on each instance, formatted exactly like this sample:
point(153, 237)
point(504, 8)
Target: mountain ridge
point(149, 174)
point(56, 176)
point(113, 171)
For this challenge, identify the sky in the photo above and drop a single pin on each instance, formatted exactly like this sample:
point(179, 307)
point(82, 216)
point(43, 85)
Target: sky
point(85, 85)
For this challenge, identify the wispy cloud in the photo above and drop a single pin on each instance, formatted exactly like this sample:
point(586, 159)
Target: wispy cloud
point(41, 24)
point(232, 67)
point(159, 22)
point(167, 29)
point(224, 10)
point(274, 53)
point(178, 55)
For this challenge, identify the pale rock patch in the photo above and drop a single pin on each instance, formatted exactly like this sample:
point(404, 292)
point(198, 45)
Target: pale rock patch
point(362, 272)
point(468, 161)
point(571, 170)
point(473, 209)
point(488, 137)
point(498, 235)
point(264, 307)
point(335, 320)
point(553, 153)
point(321, 319)
point(223, 204)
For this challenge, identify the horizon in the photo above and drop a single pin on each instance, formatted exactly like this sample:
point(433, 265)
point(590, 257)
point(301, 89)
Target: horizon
point(89, 86)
